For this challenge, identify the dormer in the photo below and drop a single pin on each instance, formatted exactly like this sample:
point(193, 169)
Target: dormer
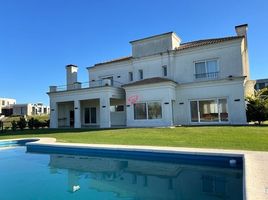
point(155, 44)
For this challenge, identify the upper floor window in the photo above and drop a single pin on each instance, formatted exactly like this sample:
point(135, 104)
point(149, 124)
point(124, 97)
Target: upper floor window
point(206, 69)
point(164, 70)
point(3, 102)
point(130, 76)
point(141, 74)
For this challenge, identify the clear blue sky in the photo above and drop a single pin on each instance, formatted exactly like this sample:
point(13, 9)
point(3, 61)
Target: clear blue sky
point(39, 37)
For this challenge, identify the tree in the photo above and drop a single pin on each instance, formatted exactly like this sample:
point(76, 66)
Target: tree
point(22, 123)
point(14, 125)
point(257, 107)
point(31, 123)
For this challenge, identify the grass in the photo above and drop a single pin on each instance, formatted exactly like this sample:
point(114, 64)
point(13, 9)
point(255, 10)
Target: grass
point(220, 137)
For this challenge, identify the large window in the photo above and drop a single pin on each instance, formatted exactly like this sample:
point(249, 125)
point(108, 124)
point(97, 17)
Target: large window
point(154, 110)
point(140, 111)
point(148, 110)
point(212, 110)
point(206, 69)
point(90, 115)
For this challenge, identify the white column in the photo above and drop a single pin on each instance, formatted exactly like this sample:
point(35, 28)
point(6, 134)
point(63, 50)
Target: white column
point(105, 117)
point(53, 114)
point(77, 114)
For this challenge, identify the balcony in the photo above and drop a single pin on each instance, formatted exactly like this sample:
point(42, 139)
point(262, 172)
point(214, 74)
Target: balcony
point(83, 85)
point(211, 75)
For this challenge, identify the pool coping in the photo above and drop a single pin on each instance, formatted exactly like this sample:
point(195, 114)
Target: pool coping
point(255, 177)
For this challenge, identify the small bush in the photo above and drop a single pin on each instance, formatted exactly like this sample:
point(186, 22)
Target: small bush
point(14, 125)
point(37, 124)
point(31, 123)
point(22, 123)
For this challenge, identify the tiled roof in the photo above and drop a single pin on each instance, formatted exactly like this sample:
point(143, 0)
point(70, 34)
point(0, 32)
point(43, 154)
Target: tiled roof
point(198, 43)
point(183, 46)
point(149, 81)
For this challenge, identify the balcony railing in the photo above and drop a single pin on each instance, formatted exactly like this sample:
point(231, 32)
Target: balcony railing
point(81, 85)
point(210, 75)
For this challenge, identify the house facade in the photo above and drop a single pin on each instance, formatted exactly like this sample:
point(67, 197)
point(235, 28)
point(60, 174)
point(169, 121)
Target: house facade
point(261, 83)
point(6, 106)
point(30, 109)
point(163, 83)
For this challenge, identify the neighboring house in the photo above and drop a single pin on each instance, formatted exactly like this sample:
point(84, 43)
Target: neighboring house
point(30, 109)
point(261, 83)
point(7, 104)
point(41, 109)
point(163, 83)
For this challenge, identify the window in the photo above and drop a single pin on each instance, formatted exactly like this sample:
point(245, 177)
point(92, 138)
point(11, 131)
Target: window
point(3, 102)
point(148, 110)
point(206, 69)
point(164, 70)
point(154, 110)
point(141, 74)
point(212, 110)
point(87, 115)
point(90, 115)
point(130, 76)
point(117, 108)
point(140, 111)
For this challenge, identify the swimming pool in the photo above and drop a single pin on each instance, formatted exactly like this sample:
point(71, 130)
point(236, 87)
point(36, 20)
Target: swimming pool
point(60, 173)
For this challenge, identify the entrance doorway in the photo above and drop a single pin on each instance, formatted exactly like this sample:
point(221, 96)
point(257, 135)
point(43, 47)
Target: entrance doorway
point(71, 118)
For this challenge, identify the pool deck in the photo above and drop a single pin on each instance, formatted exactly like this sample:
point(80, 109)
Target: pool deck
point(255, 162)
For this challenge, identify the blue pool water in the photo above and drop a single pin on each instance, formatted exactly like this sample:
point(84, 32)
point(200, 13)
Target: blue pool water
point(53, 176)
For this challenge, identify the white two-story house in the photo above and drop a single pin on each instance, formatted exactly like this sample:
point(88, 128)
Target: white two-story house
point(164, 82)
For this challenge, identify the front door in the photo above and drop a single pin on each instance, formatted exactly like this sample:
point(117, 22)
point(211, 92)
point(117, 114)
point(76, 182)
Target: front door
point(90, 115)
point(71, 118)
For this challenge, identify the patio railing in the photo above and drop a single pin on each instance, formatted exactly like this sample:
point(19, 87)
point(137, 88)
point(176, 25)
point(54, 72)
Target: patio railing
point(81, 85)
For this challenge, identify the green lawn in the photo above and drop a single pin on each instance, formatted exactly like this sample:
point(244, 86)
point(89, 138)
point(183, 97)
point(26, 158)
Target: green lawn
point(225, 137)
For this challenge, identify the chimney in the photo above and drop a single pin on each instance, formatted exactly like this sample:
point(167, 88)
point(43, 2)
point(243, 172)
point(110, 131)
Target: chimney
point(241, 30)
point(71, 75)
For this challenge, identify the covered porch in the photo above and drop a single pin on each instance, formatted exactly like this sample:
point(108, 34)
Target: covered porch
point(95, 109)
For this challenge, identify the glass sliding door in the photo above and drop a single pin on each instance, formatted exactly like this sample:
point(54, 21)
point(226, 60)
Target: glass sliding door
point(90, 115)
point(211, 110)
point(208, 111)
